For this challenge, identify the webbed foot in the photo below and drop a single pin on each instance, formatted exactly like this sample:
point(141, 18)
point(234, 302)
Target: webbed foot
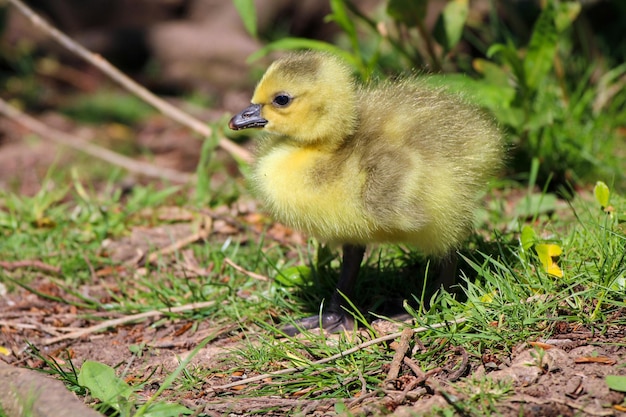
point(332, 322)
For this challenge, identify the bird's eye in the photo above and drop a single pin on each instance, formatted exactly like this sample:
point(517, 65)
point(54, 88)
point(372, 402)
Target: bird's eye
point(282, 100)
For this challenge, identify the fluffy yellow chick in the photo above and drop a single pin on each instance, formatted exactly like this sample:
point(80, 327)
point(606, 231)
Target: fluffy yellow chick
point(392, 162)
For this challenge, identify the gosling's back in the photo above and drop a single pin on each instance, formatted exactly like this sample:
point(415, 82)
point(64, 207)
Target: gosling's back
point(428, 157)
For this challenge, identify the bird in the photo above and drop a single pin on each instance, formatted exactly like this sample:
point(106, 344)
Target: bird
point(356, 163)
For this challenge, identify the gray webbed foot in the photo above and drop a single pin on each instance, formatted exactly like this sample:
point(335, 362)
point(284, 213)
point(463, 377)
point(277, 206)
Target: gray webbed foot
point(332, 322)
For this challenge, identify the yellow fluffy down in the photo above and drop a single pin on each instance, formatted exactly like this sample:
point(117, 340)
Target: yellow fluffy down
point(392, 162)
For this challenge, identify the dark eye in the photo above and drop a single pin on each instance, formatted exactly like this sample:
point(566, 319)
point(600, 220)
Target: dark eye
point(282, 100)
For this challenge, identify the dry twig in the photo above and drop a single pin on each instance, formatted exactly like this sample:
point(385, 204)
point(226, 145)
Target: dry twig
point(245, 271)
point(403, 347)
point(126, 319)
point(454, 375)
point(41, 327)
point(36, 264)
point(414, 367)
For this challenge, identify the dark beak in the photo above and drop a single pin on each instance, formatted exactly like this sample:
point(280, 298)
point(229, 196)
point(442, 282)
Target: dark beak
point(247, 118)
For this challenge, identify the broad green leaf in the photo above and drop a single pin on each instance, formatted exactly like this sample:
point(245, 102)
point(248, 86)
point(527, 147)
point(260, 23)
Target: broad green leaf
point(293, 276)
point(602, 193)
point(409, 12)
point(616, 382)
point(102, 383)
point(542, 47)
point(449, 26)
point(247, 12)
point(162, 409)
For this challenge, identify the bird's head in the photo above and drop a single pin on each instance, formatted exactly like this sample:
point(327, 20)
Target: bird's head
point(307, 97)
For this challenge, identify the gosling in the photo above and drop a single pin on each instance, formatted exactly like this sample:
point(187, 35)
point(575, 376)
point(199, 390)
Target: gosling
point(351, 164)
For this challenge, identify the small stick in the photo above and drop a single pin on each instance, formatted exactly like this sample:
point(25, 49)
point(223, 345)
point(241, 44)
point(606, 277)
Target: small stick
point(403, 347)
point(141, 92)
point(127, 319)
point(245, 271)
point(414, 367)
point(462, 366)
point(48, 329)
point(30, 264)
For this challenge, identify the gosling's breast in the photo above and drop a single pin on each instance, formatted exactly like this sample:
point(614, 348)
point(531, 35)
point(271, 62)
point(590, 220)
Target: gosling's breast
point(310, 190)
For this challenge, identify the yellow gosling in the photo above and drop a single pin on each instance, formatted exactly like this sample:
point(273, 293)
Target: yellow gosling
point(392, 162)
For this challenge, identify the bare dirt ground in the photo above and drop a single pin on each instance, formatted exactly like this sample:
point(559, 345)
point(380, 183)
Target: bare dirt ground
point(568, 381)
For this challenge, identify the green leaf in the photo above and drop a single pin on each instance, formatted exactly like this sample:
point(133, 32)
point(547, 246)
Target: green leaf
point(247, 12)
point(102, 383)
point(566, 13)
point(528, 237)
point(294, 276)
point(162, 409)
point(542, 47)
point(492, 72)
point(409, 12)
point(509, 56)
point(449, 26)
point(602, 193)
point(616, 382)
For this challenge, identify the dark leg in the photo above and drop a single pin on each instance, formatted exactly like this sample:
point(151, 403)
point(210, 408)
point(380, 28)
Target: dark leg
point(334, 318)
point(446, 272)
